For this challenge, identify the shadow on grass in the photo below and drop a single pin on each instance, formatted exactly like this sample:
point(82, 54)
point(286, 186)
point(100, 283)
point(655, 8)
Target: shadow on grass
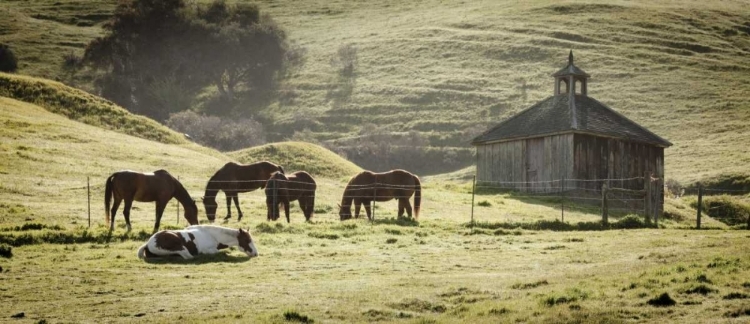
point(221, 257)
point(399, 221)
point(627, 222)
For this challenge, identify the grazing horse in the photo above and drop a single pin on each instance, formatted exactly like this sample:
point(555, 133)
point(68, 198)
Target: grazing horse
point(281, 189)
point(159, 186)
point(197, 239)
point(234, 178)
point(369, 186)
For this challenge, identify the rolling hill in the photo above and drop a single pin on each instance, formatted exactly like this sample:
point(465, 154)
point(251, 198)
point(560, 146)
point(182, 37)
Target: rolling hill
point(449, 69)
point(63, 137)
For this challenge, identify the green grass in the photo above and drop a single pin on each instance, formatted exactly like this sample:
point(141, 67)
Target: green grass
point(296, 156)
point(422, 66)
point(450, 69)
point(84, 107)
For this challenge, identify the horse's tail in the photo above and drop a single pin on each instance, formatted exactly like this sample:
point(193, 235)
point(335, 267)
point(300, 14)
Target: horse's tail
point(417, 196)
point(108, 188)
point(142, 251)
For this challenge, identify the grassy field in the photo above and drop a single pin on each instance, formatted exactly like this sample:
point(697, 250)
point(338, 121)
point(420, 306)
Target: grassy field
point(437, 270)
point(450, 69)
point(437, 67)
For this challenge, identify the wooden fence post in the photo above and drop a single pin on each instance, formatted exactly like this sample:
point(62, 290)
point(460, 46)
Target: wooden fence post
point(473, 189)
point(88, 194)
point(700, 202)
point(178, 205)
point(562, 202)
point(605, 219)
point(647, 208)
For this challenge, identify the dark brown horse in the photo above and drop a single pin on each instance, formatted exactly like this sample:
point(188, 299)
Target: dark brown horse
point(233, 179)
point(280, 190)
point(368, 186)
point(159, 186)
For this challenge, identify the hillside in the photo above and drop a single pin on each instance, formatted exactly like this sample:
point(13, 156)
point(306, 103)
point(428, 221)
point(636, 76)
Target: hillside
point(449, 69)
point(297, 156)
point(46, 159)
point(51, 145)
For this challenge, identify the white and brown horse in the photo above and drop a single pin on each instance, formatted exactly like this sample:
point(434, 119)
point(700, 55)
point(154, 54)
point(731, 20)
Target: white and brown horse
point(197, 239)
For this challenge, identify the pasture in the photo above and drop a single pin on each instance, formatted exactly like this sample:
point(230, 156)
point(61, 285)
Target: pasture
point(435, 271)
point(456, 65)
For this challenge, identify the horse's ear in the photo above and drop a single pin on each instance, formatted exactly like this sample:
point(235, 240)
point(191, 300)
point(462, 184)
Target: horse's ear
point(203, 198)
point(339, 205)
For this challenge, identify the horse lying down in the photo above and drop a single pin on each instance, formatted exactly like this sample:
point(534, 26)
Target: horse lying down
point(197, 239)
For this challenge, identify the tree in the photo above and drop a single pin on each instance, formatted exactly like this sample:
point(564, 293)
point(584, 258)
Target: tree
point(158, 54)
point(8, 61)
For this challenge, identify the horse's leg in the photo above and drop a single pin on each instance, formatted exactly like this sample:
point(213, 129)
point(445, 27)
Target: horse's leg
point(237, 204)
point(160, 206)
point(286, 210)
point(407, 206)
point(113, 211)
point(357, 205)
point(126, 212)
point(367, 209)
point(229, 207)
point(309, 207)
point(400, 207)
point(185, 254)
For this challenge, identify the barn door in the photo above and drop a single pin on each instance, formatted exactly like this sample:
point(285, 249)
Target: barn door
point(534, 164)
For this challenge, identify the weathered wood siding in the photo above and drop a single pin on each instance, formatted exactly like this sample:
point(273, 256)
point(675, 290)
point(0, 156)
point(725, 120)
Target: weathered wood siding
point(543, 160)
point(546, 160)
point(608, 158)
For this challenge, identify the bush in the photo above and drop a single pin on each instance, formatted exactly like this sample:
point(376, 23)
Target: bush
point(5, 251)
point(224, 134)
point(8, 61)
point(674, 188)
point(661, 301)
point(724, 208)
point(293, 316)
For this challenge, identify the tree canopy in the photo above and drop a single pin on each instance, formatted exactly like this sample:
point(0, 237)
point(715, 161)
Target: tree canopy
point(8, 61)
point(158, 54)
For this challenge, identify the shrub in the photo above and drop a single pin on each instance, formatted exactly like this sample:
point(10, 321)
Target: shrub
point(6, 251)
point(662, 301)
point(725, 208)
point(8, 61)
point(224, 134)
point(674, 188)
point(700, 289)
point(293, 316)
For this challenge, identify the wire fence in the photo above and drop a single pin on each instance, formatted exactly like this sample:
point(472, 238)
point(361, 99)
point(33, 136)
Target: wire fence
point(623, 195)
point(713, 202)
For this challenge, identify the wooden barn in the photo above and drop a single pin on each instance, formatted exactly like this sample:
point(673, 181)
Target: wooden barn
point(571, 136)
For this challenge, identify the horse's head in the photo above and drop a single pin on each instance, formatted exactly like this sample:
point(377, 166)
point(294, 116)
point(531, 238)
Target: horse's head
point(209, 203)
point(191, 212)
point(245, 243)
point(345, 212)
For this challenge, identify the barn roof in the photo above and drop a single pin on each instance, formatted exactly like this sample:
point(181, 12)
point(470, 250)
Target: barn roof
point(560, 114)
point(570, 69)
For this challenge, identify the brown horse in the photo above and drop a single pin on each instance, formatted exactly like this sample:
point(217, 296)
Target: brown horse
point(368, 186)
point(159, 186)
point(281, 189)
point(234, 178)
